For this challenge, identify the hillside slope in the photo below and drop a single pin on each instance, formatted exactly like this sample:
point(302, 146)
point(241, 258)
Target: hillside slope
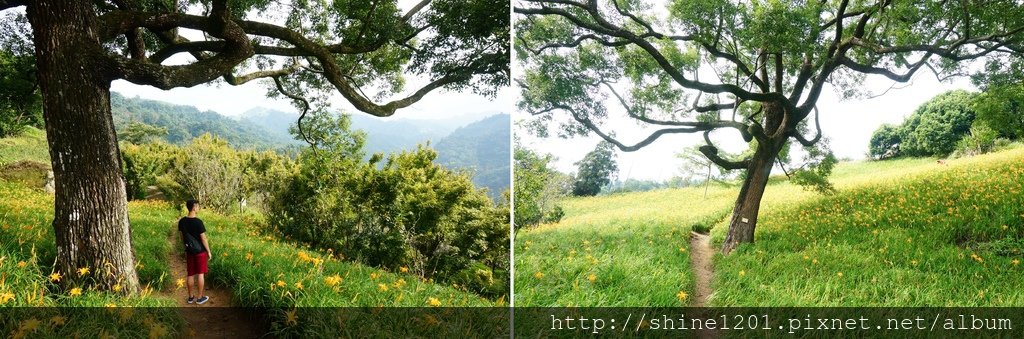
point(186, 122)
point(259, 270)
point(30, 145)
point(907, 232)
point(482, 147)
point(383, 135)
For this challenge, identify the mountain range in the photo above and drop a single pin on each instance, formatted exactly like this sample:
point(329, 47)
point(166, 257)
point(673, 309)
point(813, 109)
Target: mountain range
point(478, 142)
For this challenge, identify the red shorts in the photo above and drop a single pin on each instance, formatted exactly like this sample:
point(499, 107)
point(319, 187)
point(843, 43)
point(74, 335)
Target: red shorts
point(196, 263)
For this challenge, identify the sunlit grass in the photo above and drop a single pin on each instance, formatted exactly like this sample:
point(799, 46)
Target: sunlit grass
point(941, 235)
point(30, 145)
point(27, 278)
point(618, 250)
point(899, 232)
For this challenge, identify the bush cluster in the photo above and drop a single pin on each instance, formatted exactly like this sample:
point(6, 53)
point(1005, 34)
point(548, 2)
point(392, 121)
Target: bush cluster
point(402, 213)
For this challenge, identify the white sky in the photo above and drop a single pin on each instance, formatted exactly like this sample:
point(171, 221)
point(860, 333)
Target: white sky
point(234, 100)
point(848, 124)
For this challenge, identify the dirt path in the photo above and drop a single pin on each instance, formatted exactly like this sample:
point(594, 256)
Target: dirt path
point(220, 317)
point(700, 259)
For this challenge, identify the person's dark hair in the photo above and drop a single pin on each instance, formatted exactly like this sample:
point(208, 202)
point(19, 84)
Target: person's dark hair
point(191, 203)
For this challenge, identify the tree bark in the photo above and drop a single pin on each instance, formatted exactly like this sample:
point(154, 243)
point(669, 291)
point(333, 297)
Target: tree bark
point(748, 203)
point(90, 221)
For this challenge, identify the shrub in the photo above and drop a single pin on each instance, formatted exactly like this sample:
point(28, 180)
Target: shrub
point(209, 170)
point(409, 212)
point(554, 215)
point(981, 140)
point(537, 189)
point(885, 142)
point(142, 164)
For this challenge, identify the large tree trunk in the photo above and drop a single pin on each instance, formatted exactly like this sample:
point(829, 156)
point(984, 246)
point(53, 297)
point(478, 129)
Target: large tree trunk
point(91, 213)
point(744, 214)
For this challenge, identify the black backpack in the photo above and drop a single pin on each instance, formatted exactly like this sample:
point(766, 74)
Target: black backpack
point(192, 245)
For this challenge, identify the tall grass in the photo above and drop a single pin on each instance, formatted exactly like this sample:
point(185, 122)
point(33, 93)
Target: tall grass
point(264, 271)
point(27, 254)
point(30, 145)
point(260, 269)
point(941, 235)
point(616, 250)
point(907, 232)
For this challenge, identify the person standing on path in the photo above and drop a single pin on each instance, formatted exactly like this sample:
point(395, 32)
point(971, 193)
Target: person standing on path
point(197, 251)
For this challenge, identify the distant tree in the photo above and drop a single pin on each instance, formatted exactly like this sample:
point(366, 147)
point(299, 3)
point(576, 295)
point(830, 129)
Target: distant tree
point(143, 164)
point(633, 185)
point(936, 126)
point(595, 170)
point(537, 188)
point(1000, 105)
point(209, 170)
point(263, 174)
point(885, 142)
point(140, 133)
point(20, 102)
point(696, 168)
point(756, 67)
point(360, 49)
point(1001, 108)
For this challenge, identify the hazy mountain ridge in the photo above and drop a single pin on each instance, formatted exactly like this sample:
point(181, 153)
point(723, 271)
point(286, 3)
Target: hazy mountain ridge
point(483, 147)
point(185, 122)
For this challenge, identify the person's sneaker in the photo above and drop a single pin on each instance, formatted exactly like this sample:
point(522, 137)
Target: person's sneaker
point(203, 300)
point(190, 299)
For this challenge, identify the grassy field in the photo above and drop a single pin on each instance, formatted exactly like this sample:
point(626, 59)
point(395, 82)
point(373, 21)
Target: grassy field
point(27, 253)
point(261, 271)
point(628, 249)
point(30, 145)
point(907, 232)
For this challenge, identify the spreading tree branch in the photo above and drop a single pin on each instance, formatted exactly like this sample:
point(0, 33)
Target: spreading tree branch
point(817, 126)
point(305, 110)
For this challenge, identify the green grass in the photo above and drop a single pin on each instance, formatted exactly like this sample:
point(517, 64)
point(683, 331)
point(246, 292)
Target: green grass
point(634, 246)
point(255, 264)
point(30, 145)
point(938, 236)
point(250, 263)
point(901, 232)
point(26, 216)
point(264, 271)
point(292, 281)
point(27, 253)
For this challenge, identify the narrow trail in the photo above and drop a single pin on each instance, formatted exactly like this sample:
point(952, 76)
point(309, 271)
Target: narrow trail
point(700, 259)
point(221, 317)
